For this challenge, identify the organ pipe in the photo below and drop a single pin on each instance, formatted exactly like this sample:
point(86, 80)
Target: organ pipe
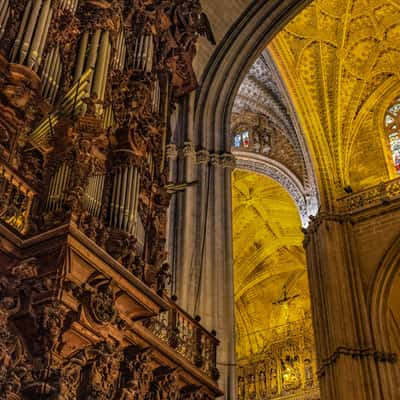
point(29, 31)
point(101, 64)
point(43, 39)
point(144, 53)
point(69, 5)
point(95, 52)
point(39, 36)
point(51, 75)
point(81, 56)
point(125, 198)
point(58, 185)
point(93, 196)
point(108, 117)
point(21, 31)
point(4, 15)
point(120, 52)
point(156, 96)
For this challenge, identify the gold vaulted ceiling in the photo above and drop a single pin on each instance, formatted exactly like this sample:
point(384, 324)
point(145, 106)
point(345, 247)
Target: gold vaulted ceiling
point(268, 254)
point(340, 62)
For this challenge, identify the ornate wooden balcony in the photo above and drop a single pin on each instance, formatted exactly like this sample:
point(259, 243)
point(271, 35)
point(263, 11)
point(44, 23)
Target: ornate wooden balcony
point(103, 307)
point(187, 337)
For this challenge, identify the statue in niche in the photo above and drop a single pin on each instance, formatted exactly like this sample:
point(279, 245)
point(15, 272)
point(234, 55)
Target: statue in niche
point(273, 381)
point(256, 142)
point(308, 372)
point(265, 141)
point(262, 385)
point(290, 374)
point(241, 388)
point(252, 386)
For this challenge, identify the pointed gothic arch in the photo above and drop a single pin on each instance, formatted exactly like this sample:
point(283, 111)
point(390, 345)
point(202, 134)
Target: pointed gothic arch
point(382, 317)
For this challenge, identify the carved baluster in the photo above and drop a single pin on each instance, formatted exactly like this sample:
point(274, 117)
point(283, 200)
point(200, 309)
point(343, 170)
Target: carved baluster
point(173, 328)
point(198, 347)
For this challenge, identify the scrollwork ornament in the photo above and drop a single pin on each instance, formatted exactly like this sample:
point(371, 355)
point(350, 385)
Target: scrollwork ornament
point(102, 305)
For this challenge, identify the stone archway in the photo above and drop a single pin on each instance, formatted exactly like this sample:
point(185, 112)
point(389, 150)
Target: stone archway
point(384, 308)
point(202, 226)
point(231, 62)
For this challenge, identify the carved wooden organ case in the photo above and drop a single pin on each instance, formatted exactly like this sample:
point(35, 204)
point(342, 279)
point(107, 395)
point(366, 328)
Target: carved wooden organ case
point(87, 88)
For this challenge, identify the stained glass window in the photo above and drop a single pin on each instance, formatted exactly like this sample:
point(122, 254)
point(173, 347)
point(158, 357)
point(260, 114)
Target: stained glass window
point(392, 123)
point(242, 139)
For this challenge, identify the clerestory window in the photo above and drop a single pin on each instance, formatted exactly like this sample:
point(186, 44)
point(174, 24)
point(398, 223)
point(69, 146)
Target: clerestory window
point(392, 124)
point(242, 139)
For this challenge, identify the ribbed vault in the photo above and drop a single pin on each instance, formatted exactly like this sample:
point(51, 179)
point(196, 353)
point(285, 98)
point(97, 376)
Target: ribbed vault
point(339, 60)
point(268, 255)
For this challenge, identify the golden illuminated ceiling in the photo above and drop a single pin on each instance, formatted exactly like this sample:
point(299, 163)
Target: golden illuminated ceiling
point(268, 254)
point(340, 62)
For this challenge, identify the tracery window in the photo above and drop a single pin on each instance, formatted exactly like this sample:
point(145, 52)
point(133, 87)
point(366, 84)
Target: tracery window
point(392, 124)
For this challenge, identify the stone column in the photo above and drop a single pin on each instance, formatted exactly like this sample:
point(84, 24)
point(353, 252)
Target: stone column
point(346, 356)
point(203, 245)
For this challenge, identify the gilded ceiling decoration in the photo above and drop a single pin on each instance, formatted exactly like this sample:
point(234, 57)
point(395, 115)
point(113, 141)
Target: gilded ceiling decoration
point(267, 138)
point(268, 254)
point(275, 346)
point(260, 93)
point(339, 60)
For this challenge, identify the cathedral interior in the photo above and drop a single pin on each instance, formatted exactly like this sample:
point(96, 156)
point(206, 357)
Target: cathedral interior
point(199, 199)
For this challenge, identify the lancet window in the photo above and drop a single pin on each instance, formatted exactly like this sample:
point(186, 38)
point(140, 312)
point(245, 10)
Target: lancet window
point(392, 125)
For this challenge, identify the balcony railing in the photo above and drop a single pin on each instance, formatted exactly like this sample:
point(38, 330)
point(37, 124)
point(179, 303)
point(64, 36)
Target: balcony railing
point(371, 197)
point(187, 337)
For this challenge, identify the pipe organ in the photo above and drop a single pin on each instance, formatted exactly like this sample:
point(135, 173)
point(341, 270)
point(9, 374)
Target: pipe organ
point(88, 89)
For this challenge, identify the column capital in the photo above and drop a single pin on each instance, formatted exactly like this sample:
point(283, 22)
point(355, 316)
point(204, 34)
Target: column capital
point(172, 152)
